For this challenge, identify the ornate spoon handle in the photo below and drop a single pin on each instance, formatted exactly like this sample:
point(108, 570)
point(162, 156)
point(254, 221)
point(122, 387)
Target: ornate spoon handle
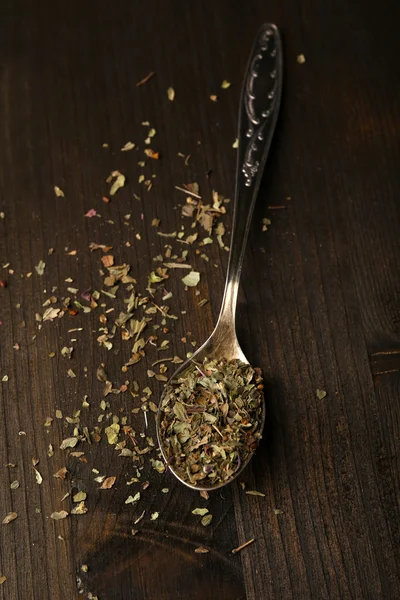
point(258, 112)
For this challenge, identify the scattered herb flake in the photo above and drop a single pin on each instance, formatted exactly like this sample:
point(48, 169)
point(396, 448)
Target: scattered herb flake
point(145, 79)
point(128, 146)
point(206, 520)
point(112, 433)
point(242, 546)
point(58, 192)
point(39, 478)
point(118, 183)
point(200, 511)
point(92, 212)
point(171, 94)
point(40, 267)
point(57, 516)
point(79, 497)
point(108, 483)
point(9, 517)
point(254, 493)
point(192, 279)
point(69, 442)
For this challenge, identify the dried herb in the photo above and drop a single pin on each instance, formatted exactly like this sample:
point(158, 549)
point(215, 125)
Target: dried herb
point(242, 546)
point(39, 478)
point(10, 517)
point(145, 79)
point(128, 146)
point(79, 497)
point(40, 267)
point(61, 473)
point(206, 520)
point(192, 279)
point(70, 442)
point(200, 511)
point(265, 224)
point(201, 550)
point(321, 394)
point(57, 516)
point(108, 483)
point(118, 183)
point(211, 420)
point(58, 192)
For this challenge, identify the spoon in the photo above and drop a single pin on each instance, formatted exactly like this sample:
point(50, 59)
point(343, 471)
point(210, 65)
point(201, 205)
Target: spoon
point(258, 112)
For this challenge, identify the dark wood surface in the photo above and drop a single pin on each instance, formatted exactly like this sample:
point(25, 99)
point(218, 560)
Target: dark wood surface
point(319, 306)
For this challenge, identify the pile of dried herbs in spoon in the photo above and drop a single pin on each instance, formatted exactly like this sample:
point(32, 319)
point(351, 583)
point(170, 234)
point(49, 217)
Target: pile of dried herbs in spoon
point(211, 420)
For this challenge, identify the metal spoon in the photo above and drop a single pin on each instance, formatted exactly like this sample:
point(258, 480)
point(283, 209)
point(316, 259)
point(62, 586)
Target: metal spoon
point(258, 112)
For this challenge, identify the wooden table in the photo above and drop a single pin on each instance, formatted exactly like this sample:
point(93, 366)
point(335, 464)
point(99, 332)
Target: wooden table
point(319, 307)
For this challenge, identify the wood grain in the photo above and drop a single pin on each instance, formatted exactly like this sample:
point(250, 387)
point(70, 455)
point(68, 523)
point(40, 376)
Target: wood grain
point(319, 304)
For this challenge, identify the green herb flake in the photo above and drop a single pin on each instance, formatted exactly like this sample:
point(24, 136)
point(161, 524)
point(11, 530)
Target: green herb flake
point(200, 511)
point(79, 497)
point(206, 520)
point(118, 183)
point(112, 433)
point(58, 192)
point(40, 267)
point(69, 442)
point(133, 499)
point(192, 279)
point(128, 146)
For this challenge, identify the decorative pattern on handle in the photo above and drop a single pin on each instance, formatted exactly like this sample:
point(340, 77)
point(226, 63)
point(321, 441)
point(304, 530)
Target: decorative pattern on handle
point(265, 49)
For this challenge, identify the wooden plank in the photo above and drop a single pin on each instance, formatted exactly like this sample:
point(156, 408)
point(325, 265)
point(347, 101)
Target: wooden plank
point(318, 307)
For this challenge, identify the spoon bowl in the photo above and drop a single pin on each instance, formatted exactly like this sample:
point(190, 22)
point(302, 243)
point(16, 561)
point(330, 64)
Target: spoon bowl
point(221, 343)
point(259, 107)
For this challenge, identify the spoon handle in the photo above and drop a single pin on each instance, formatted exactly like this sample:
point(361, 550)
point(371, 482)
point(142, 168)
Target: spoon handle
point(258, 112)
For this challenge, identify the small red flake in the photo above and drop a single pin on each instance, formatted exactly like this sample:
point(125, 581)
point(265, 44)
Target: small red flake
point(105, 199)
point(3, 283)
point(91, 213)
